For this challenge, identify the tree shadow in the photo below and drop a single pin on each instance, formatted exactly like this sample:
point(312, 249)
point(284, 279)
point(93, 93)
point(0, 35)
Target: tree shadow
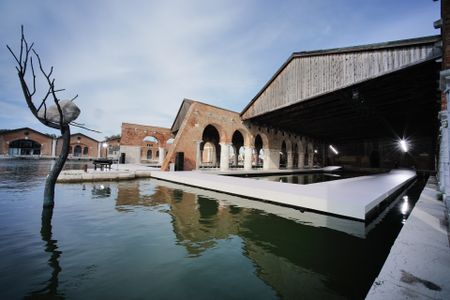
point(50, 291)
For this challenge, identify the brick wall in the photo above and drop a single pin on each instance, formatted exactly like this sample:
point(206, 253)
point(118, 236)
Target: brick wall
point(7, 137)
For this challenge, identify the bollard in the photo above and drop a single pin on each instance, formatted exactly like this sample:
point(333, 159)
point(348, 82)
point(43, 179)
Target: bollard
point(85, 168)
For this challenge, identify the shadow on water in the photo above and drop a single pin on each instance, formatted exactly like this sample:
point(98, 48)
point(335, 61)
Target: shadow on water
point(50, 290)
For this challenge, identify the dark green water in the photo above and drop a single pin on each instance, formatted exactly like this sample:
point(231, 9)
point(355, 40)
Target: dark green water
point(308, 178)
point(143, 239)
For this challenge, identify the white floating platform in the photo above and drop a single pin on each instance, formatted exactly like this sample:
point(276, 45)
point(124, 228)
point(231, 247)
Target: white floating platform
point(352, 198)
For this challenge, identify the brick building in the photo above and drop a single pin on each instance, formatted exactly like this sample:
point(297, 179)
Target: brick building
point(81, 147)
point(144, 143)
point(26, 142)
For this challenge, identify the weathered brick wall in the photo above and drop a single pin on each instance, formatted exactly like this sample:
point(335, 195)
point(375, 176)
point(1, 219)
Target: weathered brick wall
point(26, 133)
point(83, 141)
point(135, 148)
point(134, 134)
point(200, 115)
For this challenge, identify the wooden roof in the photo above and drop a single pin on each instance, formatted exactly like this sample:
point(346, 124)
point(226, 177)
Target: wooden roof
point(306, 75)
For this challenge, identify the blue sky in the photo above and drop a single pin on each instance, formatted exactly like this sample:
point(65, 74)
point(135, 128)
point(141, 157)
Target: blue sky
point(135, 61)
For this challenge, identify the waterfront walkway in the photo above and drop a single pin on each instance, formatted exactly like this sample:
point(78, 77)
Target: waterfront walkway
point(116, 173)
point(353, 197)
point(418, 266)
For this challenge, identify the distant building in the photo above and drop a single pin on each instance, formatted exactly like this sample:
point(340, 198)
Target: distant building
point(23, 142)
point(81, 146)
point(26, 142)
point(111, 148)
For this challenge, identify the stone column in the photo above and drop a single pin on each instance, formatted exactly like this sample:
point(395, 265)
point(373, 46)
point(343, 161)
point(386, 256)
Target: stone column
point(301, 159)
point(224, 156)
point(99, 150)
point(248, 158)
point(162, 154)
point(53, 147)
point(198, 154)
point(271, 159)
point(290, 160)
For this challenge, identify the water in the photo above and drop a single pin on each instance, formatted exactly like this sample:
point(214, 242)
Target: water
point(147, 239)
point(308, 178)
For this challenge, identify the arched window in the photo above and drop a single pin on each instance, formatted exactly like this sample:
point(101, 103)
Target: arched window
point(77, 151)
point(85, 151)
point(24, 147)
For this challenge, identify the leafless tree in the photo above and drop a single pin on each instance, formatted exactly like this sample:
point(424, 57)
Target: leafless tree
point(58, 114)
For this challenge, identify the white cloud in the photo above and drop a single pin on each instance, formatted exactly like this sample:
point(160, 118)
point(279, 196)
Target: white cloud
point(134, 61)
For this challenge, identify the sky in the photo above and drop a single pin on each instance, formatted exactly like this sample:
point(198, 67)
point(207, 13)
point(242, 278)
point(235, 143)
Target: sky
point(135, 61)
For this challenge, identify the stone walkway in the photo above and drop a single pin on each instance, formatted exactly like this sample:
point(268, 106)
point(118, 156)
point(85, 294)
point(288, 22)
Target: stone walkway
point(418, 266)
point(117, 172)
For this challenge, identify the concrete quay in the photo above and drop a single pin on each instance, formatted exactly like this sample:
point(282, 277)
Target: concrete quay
point(117, 172)
point(418, 265)
point(353, 198)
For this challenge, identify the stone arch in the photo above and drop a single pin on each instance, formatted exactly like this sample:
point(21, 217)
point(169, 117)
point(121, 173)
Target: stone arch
point(24, 147)
point(151, 139)
point(210, 146)
point(224, 137)
point(259, 150)
point(237, 144)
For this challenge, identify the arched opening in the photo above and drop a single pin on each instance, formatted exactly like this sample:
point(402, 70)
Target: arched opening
point(150, 148)
point(259, 152)
point(210, 148)
point(151, 139)
point(238, 151)
point(24, 147)
point(77, 151)
point(86, 151)
point(283, 155)
point(295, 155)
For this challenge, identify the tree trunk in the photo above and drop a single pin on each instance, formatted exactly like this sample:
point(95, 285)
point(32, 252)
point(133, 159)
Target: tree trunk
point(49, 191)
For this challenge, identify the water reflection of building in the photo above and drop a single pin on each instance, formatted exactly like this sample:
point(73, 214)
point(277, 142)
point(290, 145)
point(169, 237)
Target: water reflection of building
point(292, 257)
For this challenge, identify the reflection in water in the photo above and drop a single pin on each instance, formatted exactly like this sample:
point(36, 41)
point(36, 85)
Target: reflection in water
point(295, 259)
point(308, 178)
point(101, 190)
point(169, 241)
point(50, 291)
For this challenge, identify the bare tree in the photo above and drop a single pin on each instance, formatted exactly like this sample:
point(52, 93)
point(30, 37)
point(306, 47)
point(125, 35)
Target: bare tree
point(58, 115)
